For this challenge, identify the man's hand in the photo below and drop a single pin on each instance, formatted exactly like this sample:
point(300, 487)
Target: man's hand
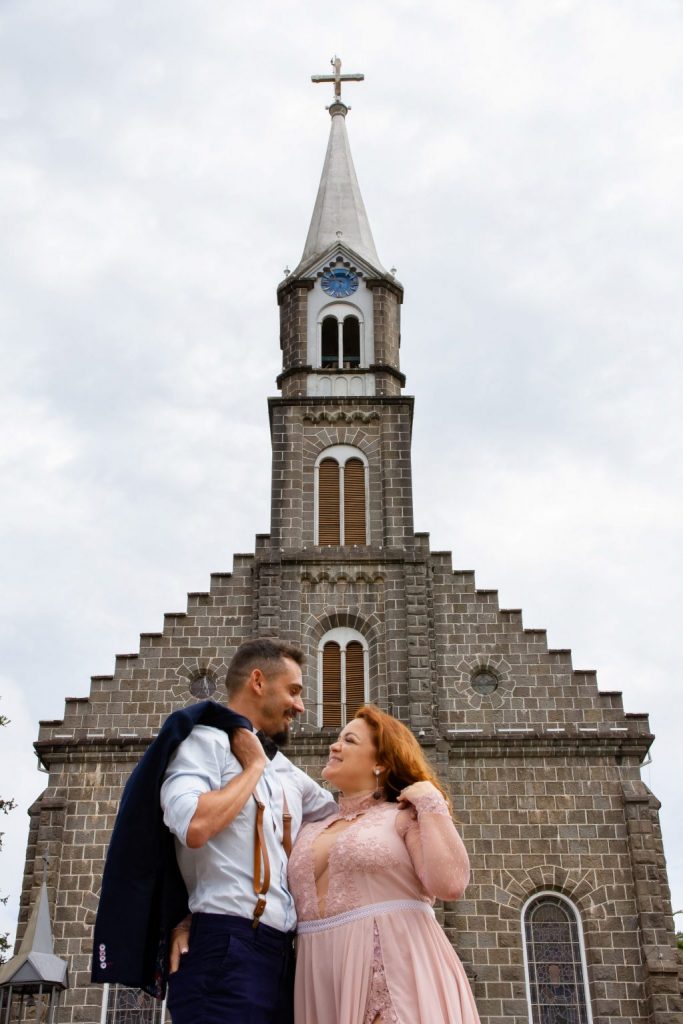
point(180, 943)
point(247, 748)
point(219, 807)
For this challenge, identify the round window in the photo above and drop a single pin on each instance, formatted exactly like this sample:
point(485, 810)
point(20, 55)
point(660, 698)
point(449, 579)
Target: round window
point(202, 687)
point(484, 682)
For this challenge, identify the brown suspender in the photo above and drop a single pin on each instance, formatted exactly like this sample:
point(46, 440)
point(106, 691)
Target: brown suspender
point(286, 825)
point(262, 883)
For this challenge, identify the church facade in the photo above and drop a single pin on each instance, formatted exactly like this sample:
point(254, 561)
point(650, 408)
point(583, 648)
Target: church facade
point(568, 915)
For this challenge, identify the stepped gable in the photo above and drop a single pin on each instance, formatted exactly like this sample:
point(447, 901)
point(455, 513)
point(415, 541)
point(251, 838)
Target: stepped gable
point(542, 767)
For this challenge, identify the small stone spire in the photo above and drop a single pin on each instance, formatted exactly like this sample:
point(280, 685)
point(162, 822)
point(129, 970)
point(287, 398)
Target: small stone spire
point(339, 213)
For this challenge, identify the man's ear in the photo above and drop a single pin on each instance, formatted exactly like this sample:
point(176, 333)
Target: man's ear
point(256, 681)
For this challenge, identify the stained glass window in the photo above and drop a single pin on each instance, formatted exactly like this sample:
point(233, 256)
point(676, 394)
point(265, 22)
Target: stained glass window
point(557, 985)
point(132, 1006)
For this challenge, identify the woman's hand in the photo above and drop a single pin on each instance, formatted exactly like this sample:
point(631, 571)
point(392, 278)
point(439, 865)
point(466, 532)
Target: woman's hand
point(180, 943)
point(418, 791)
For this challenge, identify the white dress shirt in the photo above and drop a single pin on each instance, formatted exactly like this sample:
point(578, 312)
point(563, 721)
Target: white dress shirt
point(220, 875)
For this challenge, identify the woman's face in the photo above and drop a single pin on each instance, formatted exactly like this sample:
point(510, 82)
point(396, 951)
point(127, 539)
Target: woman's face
point(353, 758)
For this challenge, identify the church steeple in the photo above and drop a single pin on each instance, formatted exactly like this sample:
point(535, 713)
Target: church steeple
point(339, 309)
point(339, 213)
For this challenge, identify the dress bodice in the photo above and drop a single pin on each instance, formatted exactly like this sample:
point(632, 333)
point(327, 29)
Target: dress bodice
point(386, 853)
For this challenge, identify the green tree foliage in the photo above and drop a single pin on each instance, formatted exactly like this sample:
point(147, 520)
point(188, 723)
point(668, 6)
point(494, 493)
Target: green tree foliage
point(6, 805)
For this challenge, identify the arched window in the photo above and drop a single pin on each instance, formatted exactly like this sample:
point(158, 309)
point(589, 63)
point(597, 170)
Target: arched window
point(341, 496)
point(555, 961)
point(342, 676)
point(341, 338)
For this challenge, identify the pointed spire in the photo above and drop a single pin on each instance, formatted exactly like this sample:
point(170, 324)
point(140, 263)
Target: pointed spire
point(339, 213)
point(36, 963)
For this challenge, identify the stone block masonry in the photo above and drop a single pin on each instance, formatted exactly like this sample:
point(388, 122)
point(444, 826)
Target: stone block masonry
point(543, 771)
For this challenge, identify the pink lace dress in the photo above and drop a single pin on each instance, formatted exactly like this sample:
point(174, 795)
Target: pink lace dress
point(370, 949)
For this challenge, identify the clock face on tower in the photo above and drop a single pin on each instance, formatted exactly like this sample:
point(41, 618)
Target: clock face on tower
point(339, 283)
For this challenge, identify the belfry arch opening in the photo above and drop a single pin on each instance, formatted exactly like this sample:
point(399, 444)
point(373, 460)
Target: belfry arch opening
point(341, 338)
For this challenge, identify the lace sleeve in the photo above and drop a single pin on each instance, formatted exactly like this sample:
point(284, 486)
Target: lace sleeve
point(438, 854)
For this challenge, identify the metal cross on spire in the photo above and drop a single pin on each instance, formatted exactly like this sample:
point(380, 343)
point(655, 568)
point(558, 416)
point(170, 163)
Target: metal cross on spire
point(337, 78)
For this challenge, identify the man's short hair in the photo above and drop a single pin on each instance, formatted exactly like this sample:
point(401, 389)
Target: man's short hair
point(264, 654)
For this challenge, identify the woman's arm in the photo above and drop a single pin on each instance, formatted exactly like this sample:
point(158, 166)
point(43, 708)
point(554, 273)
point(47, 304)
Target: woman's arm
point(438, 854)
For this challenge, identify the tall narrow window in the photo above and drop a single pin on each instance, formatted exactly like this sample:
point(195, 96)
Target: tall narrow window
point(332, 686)
point(351, 341)
point(355, 678)
point(343, 676)
point(354, 502)
point(341, 488)
point(329, 342)
point(329, 519)
point(555, 962)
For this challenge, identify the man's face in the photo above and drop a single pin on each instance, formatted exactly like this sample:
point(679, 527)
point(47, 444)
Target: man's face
point(281, 700)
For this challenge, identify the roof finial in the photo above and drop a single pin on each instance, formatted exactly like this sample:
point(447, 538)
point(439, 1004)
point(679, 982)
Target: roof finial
point(337, 78)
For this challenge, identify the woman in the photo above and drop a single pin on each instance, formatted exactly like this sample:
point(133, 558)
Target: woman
point(369, 949)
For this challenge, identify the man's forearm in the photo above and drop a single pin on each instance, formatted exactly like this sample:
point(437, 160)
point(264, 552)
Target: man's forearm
point(218, 808)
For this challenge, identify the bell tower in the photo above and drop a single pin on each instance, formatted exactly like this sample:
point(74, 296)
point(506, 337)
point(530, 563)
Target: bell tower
point(341, 430)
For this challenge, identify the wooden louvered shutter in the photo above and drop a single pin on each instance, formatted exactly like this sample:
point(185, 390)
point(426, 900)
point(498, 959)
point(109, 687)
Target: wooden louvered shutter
point(354, 502)
point(355, 678)
point(328, 502)
point(332, 686)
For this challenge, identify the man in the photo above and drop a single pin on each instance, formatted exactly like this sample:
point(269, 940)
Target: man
point(233, 812)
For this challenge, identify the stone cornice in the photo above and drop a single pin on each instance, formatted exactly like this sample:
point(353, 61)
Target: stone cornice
point(487, 744)
point(291, 284)
point(329, 404)
point(382, 282)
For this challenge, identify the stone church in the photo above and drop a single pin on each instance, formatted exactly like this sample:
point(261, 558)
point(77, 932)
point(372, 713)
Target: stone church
point(567, 919)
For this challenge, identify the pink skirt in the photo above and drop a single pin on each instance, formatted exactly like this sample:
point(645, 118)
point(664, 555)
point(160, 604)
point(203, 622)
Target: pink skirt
point(426, 981)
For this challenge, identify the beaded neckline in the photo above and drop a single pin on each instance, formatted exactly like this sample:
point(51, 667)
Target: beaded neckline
point(351, 806)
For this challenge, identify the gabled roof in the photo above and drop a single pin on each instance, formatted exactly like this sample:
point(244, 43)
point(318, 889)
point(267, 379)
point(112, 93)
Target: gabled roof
point(339, 251)
point(339, 213)
point(36, 963)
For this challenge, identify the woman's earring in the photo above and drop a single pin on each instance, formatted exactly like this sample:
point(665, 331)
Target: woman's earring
point(378, 790)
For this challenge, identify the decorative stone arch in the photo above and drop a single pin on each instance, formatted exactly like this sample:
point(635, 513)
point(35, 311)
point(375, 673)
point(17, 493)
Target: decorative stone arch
point(343, 582)
point(468, 667)
point(371, 629)
point(325, 438)
point(315, 626)
point(591, 899)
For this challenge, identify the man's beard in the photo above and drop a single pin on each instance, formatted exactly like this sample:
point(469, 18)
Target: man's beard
point(280, 739)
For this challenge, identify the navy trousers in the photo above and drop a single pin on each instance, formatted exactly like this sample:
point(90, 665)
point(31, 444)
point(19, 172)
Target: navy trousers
point(233, 974)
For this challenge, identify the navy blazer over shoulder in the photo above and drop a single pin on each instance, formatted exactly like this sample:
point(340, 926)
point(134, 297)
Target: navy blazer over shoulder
point(143, 894)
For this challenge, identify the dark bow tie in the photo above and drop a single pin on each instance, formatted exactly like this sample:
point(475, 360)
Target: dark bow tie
point(271, 748)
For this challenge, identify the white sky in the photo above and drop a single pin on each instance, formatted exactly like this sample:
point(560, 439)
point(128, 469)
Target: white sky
point(521, 163)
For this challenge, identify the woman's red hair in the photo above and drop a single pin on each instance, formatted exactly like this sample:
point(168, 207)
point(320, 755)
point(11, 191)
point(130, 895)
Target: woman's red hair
point(398, 749)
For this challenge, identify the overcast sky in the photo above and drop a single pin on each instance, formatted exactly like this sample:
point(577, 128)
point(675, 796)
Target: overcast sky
point(521, 163)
